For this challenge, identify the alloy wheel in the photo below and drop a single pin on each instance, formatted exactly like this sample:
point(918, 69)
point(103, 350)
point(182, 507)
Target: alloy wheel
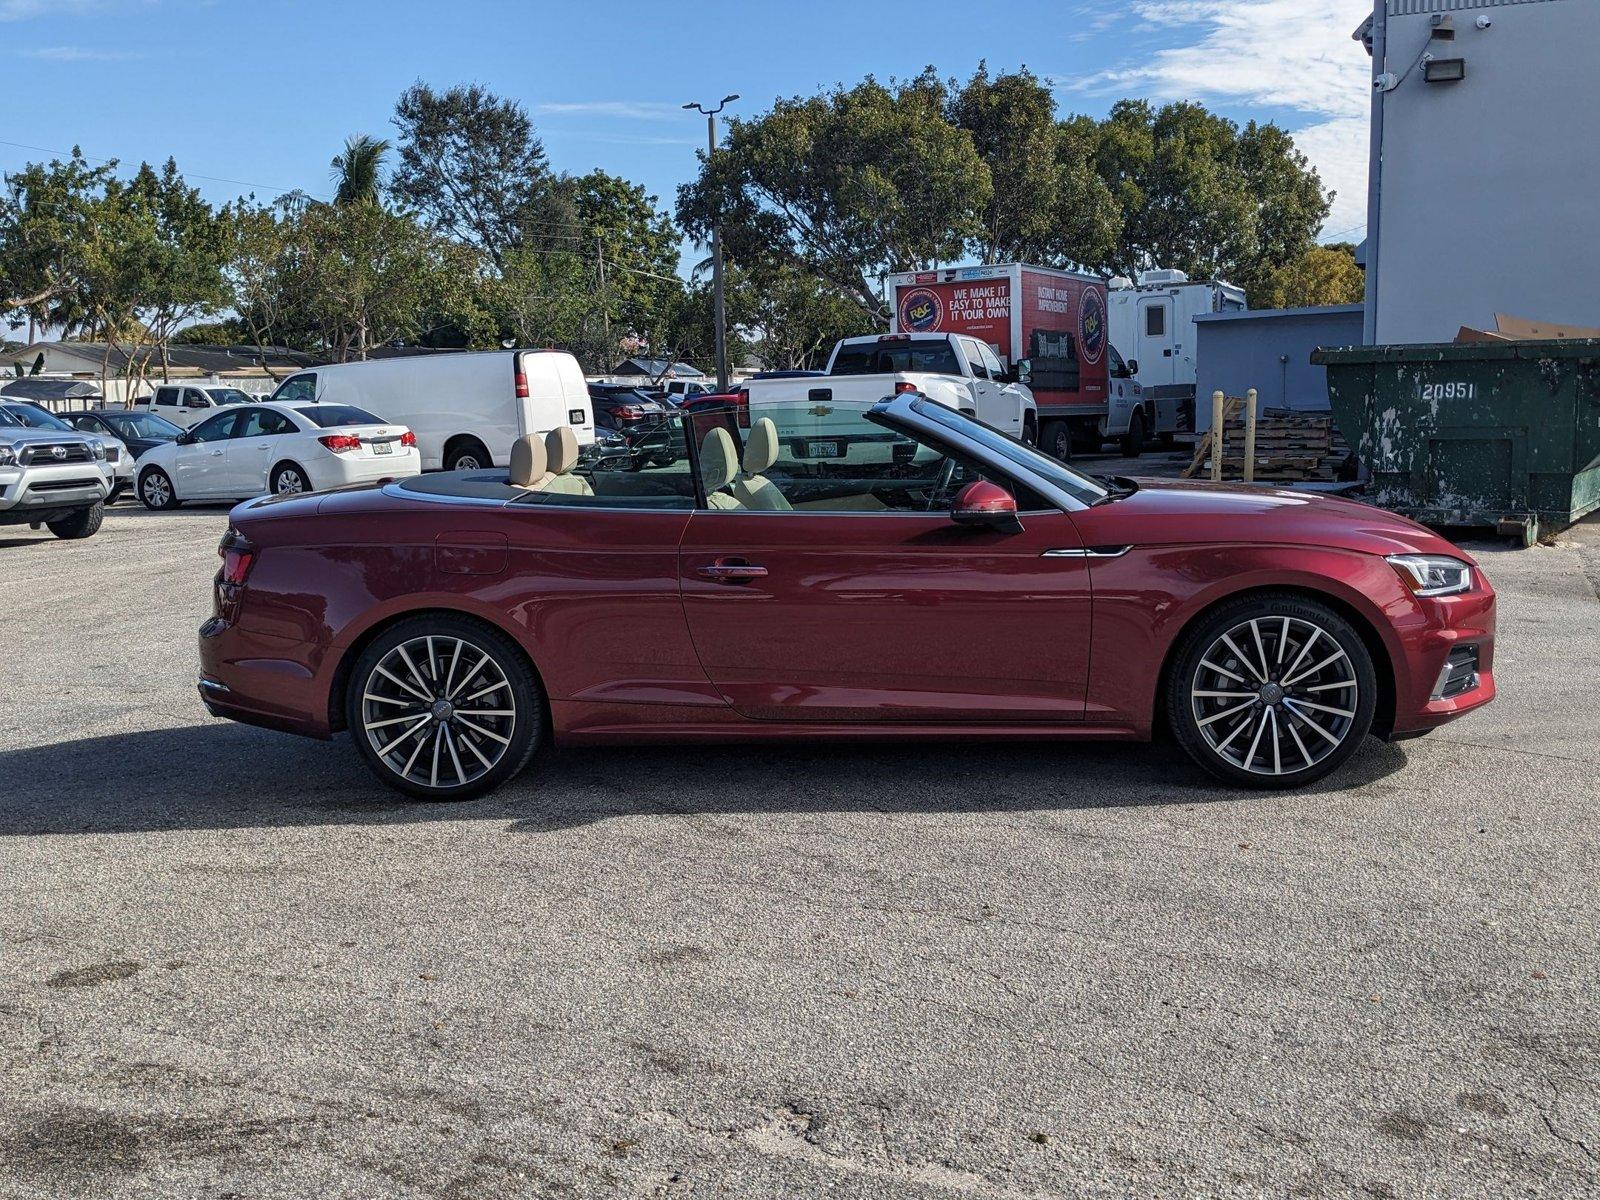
point(290, 482)
point(438, 711)
point(1275, 695)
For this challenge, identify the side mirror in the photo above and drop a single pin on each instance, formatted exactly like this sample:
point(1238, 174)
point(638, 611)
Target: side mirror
point(985, 505)
point(1023, 371)
point(184, 439)
point(1133, 367)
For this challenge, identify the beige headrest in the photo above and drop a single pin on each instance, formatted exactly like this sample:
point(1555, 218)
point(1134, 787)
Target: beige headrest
point(719, 461)
point(527, 460)
point(761, 447)
point(560, 450)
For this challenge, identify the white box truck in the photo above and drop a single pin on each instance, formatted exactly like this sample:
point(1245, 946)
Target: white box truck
point(465, 408)
point(1152, 323)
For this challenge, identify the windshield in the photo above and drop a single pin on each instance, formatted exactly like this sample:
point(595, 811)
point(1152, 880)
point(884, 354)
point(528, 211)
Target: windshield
point(36, 418)
point(330, 416)
point(229, 396)
point(1080, 487)
point(7, 421)
point(146, 425)
point(934, 355)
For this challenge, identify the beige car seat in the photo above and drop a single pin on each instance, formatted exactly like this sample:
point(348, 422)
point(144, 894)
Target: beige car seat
point(753, 489)
point(561, 455)
point(528, 463)
point(719, 466)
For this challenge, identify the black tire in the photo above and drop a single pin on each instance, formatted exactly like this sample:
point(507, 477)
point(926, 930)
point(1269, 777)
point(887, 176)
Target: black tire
point(1055, 439)
point(1208, 724)
point(1133, 440)
point(372, 696)
point(289, 479)
point(467, 454)
point(114, 494)
point(156, 491)
point(81, 524)
point(1030, 430)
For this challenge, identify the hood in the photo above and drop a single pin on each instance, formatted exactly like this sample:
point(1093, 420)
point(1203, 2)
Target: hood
point(32, 437)
point(1173, 512)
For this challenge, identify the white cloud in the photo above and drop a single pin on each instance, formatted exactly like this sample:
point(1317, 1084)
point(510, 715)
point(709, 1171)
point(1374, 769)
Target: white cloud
point(66, 54)
point(1278, 53)
point(21, 10)
point(628, 110)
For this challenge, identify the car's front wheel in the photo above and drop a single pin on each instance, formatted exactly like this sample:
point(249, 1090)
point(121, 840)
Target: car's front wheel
point(81, 524)
point(155, 489)
point(1272, 691)
point(444, 707)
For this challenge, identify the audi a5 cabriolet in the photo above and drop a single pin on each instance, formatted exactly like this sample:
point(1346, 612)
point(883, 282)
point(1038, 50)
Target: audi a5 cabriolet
point(790, 574)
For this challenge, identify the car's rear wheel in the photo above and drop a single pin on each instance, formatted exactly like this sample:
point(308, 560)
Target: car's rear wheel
point(1055, 439)
point(466, 454)
point(1272, 691)
point(443, 708)
point(289, 479)
point(155, 489)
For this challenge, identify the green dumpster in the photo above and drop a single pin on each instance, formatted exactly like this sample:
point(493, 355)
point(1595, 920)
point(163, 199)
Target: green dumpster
point(1504, 434)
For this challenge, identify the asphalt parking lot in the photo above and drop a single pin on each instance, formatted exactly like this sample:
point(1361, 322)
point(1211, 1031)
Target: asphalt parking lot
point(232, 965)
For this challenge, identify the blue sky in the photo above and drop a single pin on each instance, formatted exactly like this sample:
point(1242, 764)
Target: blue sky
point(258, 95)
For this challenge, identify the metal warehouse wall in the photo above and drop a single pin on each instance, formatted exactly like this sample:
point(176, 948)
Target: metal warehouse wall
point(1486, 199)
point(1270, 350)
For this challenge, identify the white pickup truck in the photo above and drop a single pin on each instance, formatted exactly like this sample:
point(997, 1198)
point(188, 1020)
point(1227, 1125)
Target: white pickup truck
point(951, 369)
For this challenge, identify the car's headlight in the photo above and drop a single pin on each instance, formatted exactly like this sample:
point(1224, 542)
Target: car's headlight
point(1432, 574)
point(99, 449)
point(8, 457)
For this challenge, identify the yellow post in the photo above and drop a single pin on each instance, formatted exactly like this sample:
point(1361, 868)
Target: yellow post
point(1216, 436)
point(1250, 436)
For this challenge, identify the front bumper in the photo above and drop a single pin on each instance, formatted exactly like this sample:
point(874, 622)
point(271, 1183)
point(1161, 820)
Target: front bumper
point(1451, 623)
point(28, 493)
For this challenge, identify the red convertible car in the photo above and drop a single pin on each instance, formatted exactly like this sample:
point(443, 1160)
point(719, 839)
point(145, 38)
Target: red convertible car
point(903, 572)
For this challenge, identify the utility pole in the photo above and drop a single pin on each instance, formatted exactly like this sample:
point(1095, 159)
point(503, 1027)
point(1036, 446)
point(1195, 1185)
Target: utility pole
point(605, 298)
point(719, 307)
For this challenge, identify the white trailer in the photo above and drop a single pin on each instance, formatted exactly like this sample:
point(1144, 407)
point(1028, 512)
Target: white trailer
point(1152, 324)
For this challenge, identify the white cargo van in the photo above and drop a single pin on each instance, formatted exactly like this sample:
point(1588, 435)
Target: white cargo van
point(466, 409)
point(1152, 324)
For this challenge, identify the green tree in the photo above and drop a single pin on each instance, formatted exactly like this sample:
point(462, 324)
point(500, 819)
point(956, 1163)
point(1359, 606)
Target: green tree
point(1047, 204)
point(847, 187)
point(1322, 275)
point(46, 215)
point(358, 172)
point(471, 166)
point(794, 319)
point(1198, 194)
point(184, 246)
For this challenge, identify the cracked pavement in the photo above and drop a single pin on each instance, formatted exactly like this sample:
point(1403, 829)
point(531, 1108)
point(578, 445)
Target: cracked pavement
point(231, 965)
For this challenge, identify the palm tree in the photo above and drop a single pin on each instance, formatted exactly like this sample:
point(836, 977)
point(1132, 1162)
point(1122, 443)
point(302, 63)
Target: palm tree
point(359, 170)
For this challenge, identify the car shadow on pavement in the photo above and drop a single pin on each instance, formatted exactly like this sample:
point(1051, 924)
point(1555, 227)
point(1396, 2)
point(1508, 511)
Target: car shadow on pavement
point(217, 776)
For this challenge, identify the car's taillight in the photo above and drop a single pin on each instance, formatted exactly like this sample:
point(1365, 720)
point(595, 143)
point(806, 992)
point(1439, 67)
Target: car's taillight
point(238, 556)
point(522, 385)
point(408, 438)
point(741, 415)
point(627, 412)
point(904, 385)
point(341, 443)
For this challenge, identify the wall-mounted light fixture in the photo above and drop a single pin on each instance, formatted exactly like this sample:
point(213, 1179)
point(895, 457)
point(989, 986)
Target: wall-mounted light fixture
point(1445, 70)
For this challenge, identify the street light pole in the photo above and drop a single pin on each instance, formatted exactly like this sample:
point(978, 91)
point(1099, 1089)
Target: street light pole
point(718, 302)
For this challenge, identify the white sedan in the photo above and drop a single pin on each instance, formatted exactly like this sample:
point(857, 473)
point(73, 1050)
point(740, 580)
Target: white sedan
point(249, 449)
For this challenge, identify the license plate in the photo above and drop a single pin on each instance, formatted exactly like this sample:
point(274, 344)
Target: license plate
point(382, 448)
point(822, 449)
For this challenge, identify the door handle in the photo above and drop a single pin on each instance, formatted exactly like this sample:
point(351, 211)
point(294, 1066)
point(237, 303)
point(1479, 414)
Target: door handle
point(731, 570)
point(216, 453)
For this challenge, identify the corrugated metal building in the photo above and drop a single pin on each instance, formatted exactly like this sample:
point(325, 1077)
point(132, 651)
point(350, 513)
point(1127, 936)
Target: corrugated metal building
point(1269, 349)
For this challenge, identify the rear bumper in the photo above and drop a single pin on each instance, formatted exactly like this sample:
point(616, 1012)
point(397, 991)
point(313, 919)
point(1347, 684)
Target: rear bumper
point(261, 680)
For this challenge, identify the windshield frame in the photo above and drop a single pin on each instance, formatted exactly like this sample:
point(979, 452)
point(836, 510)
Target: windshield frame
point(1046, 475)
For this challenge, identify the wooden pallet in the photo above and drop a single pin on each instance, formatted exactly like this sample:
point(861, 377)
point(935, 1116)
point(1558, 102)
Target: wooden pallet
point(1290, 447)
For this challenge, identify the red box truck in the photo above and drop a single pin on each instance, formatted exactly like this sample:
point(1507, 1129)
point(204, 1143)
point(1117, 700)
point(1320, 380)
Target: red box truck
point(1052, 326)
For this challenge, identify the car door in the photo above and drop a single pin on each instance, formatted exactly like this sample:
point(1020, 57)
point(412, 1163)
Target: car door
point(252, 449)
point(200, 463)
point(168, 402)
point(859, 600)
